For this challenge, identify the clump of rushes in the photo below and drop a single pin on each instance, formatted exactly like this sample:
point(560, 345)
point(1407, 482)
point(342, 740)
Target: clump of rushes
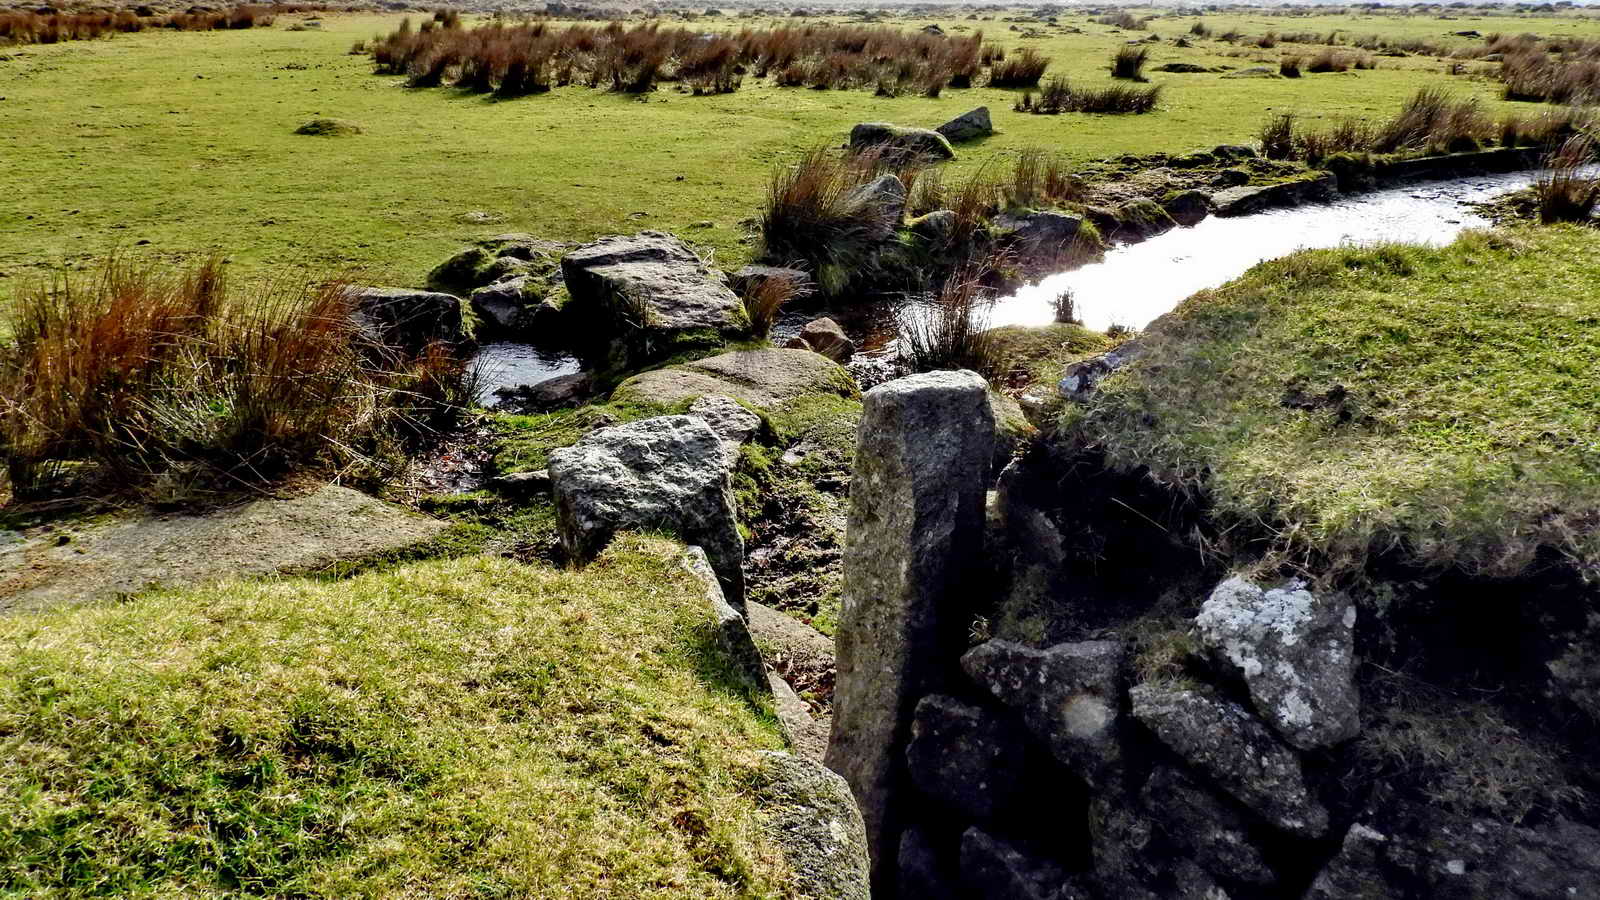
point(1289, 67)
point(766, 298)
point(816, 213)
point(1059, 96)
point(1564, 192)
point(136, 371)
point(1277, 137)
point(1128, 63)
point(1065, 308)
point(951, 330)
point(1021, 70)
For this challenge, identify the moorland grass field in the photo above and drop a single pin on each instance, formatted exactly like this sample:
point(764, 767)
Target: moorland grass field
point(175, 144)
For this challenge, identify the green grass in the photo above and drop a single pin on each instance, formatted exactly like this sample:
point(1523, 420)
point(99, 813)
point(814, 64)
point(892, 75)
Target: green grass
point(187, 141)
point(1341, 403)
point(466, 728)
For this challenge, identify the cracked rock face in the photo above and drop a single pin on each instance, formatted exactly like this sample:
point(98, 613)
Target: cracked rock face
point(1237, 752)
point(1205, 827)
point(1295, 649)
point(1068, 696)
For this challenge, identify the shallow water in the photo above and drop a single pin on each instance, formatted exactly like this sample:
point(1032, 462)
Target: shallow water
point(507, 366)
point(1138, 282)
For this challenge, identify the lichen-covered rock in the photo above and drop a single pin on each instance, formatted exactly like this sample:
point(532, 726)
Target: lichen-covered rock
point(1235, 751)
point(732, 633)
point(1142, 219)
point(1081, 379)
point(969, 126)
point(814, 820)
point(913, 553)
point(1046, 234)
point(763, 379)
point(493, 259)
point(964, 758)
point(1187, 208)
point(1012, 430)
point(900, 139)
point(407, 319)
point(993, 869)
point(507, 305)
point(1296, 651)
point(647, 296)
point(1246, 199)
point(935, 228)
point(1205, 826)
point(667, 472)
point(734, 424)
point(1069, 697)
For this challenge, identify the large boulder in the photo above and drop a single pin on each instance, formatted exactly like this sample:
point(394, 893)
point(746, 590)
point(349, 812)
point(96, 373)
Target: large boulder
point(965, 758)
point(1187, 208)
point(407, 319)
point(1296, 652)
point(1235, 751)
point(912, 558)
point(1205, 826)
point(667, 472)
point(1069, 697)
point(924, 143)
point(969, 126)
point(647, 296)
point(507, 305)
point(735, 426)
point(761, 378)
point(814, 820)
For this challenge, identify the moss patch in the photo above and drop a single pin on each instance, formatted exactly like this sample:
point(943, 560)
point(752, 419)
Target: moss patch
point(1336, 404)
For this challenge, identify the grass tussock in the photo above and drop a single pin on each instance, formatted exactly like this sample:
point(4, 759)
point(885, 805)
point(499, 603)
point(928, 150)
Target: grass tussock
point(34, 27)
point(1430, 122)
point(530, 57)
point(817, 213)
point(951, 329)
point(766, 299)
point(137, 370)
point(1566, 191)
point(472, 727)
point(1557, 70)
point(1331, 405)
point(1128, 62)
point(1058, 95)
point(1020, 70)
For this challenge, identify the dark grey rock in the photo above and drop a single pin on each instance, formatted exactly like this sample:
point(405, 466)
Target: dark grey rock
point(1235, 751)
point(1402, 849)
point(1296, 651)
point(559, 392)
point(969, 126)
point(665, 472)
point(912, 552)
point(1234, 151)
point(1205, 826)
point(1188, 208)
point(993, 869)
point(1069, 696)
point(814, 820)
point(926, 873)
point(1228, 178)
point(899, 139)
point(1082, 378)
point(407, 319)
point(646, 296)
point(964, 758)
point(885, 196)
point(1045, 233)
point(505, 305)
point(1239, 201)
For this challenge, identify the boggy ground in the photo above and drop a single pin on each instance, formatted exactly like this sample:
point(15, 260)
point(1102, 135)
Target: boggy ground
point(186, 141)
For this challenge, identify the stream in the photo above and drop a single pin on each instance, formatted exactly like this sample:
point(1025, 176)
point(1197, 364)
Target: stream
point(1135, 283)
point(1138, 282)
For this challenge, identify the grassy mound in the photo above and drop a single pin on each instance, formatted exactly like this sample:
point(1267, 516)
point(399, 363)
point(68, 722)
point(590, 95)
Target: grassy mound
point(464, 728)
point(1438, 403)
point(328, 128)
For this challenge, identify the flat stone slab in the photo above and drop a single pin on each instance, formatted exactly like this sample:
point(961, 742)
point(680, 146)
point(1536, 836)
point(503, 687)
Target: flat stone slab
point(762, 378)
point(54, 565)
